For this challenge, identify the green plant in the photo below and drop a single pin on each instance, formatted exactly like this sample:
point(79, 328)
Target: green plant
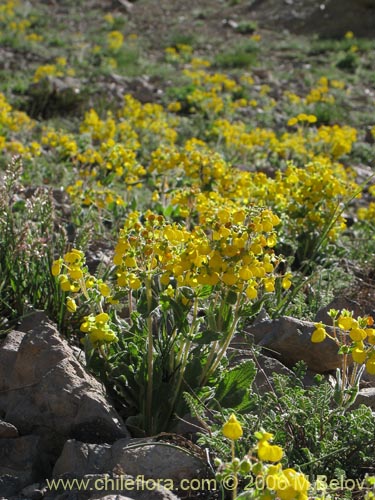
point(245, 55)
point(316, 434)
point(355, 338)
point(259, 473)
point(27, 243)
point(192, 289)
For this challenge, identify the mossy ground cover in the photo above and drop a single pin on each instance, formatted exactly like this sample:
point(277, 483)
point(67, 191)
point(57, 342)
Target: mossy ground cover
point(177, 183)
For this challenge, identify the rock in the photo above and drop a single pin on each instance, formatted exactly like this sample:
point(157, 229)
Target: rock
point(82, 458)
point(156, 461)
point(21, 463)
point(366, 396)
point(289, 340)
point(8, 354)
point(7, 430)
point(51, 394)
point(149, 459)
point(33, 491)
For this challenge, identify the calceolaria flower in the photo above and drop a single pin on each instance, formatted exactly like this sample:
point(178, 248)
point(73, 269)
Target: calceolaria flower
point(71, 305)
point(266, 451)
point(319, 334)
point(232, 428)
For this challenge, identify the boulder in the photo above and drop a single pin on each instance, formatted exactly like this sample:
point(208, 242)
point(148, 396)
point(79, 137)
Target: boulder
point(7, 430)
point(366, 396)
point(49, 393)
point(149, 459)
point(21, 463)
point(156, 461)
point(289, 340)
point(79, 459)
point(8, 354)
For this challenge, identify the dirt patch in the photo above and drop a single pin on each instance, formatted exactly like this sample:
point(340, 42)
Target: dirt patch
point(328, 18)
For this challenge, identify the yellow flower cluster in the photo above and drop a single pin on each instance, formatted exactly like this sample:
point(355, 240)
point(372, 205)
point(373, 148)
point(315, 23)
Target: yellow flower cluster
point(64, 144)
point(361, 339)
point(278, 483)
point(302, 117)
point(58, 69)
point(310, 195)
point(367, 213)
point(95, 195)
point(12, 18)
point(230, 247)
point(321, 92)
point(12, 120)
point(332, 142)
point(13, 123)
point(179, 54)
point(98, 328)
point(115, 40)
point(287, 484)
point(73, 277)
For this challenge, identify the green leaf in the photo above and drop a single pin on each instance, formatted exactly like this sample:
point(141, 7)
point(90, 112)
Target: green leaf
point(204, 292)
point(233, 389)
point(206, 337)
point(231, 298)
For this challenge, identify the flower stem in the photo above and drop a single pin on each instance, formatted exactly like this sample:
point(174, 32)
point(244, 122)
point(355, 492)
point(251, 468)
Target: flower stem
point(150, 356)
point(234, 491)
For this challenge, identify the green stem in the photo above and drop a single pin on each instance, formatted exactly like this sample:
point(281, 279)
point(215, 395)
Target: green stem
point(234, 491)
point(150, 356)
point(185, 357)
point(220, 354)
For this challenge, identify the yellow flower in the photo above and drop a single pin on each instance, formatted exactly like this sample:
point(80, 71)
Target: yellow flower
point(357, 334)
point(104, 289)
point(71, 305)
point(56, 267)
point(286, 282)
point(370, 366)
point(359, 355)
point(346, 322)
point(75, 273)
point(232, 428)
point(319, 334)
point(115, 39)
point(268, 452)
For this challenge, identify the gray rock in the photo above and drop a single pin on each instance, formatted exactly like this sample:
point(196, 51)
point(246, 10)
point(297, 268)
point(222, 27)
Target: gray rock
point(8, 354)
point(289, 340)
point(21, 463)
point(83, 458)
point(7, 430)
point(51, 394)
point(33, 491)
point(366, 396)
point(156, 461)
point(151, 460)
